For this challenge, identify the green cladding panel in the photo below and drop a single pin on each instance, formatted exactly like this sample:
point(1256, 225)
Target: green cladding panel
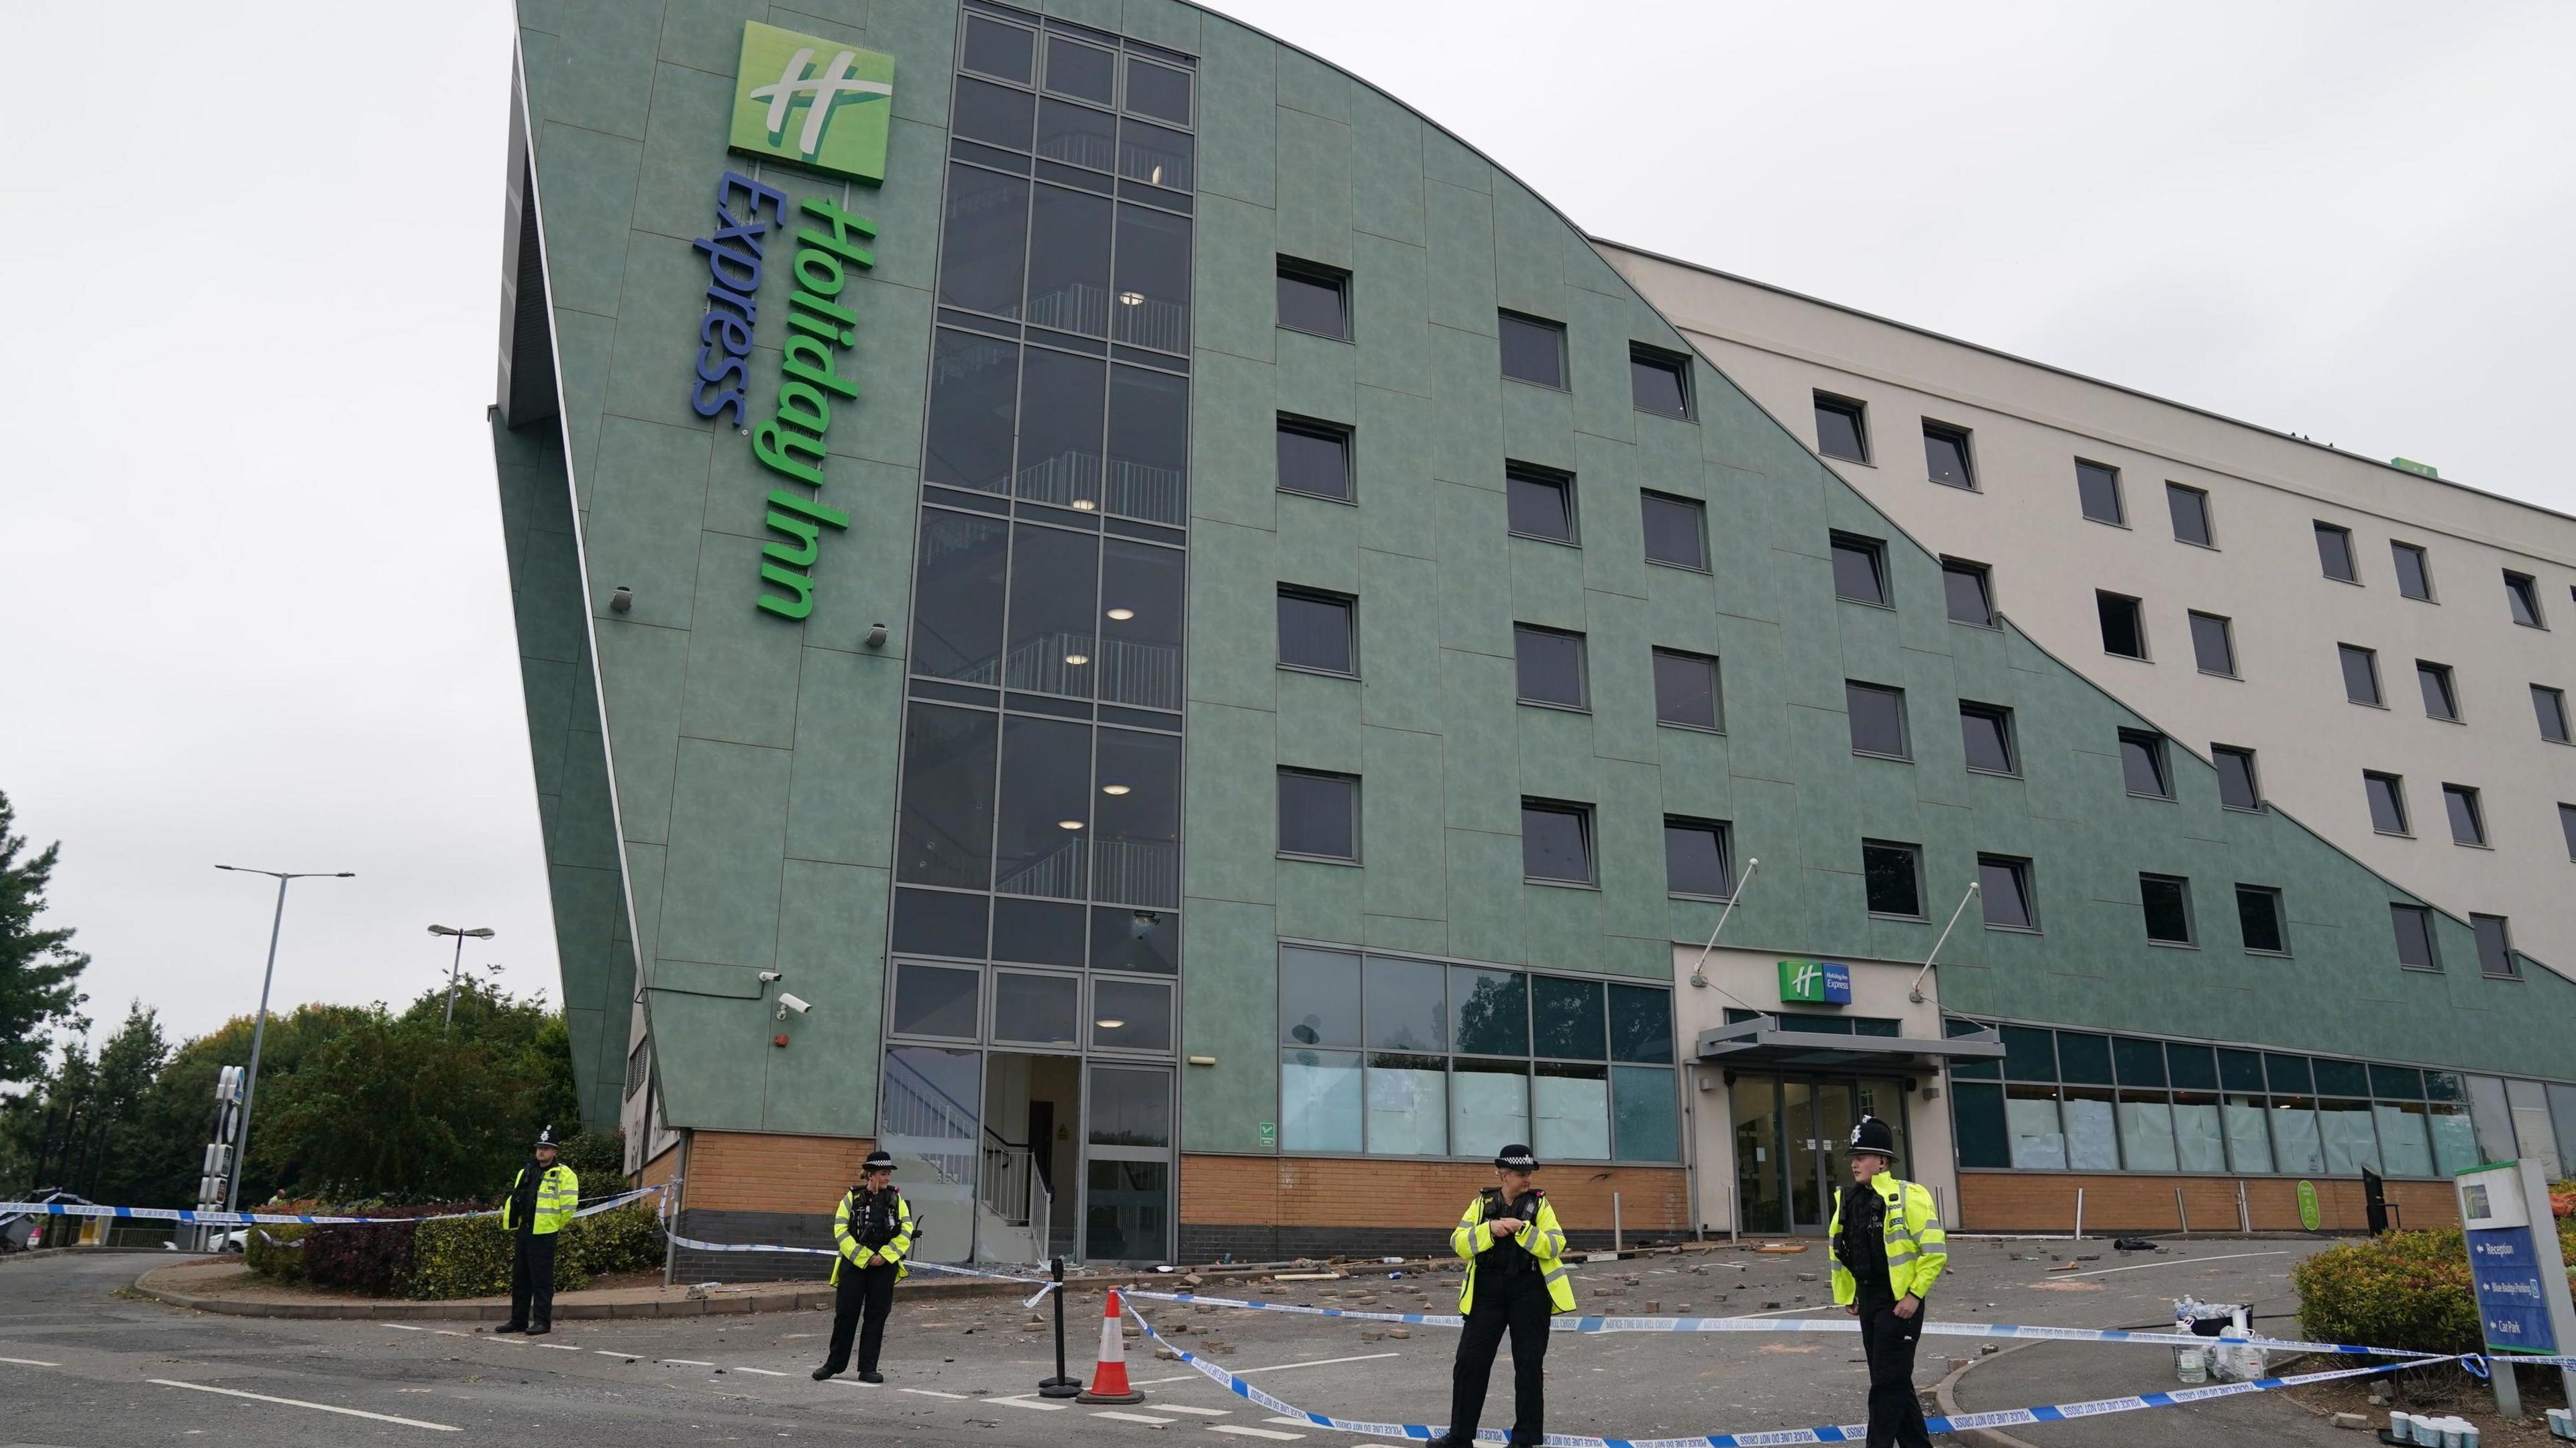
point(753, 758)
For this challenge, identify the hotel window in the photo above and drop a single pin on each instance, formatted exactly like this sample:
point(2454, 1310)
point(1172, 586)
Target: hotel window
point(2567, 827)
point(1965, 586)
point(2097, 489)
point(1945, 456)
point(1659, 382)
point(2414, 927)
point(1860, 570)
point(1892, 878)
point(1697, 864)
point(2551, 707)
point(2124, 624)
point(2468, 817)
point(2334, 553)
point(1686, 691)
point(2237, 786)
point(2003, 887)
point(1314, 298)
point(2189, 508)
point(1549, 666)
point(2522, 597)
point(1985, 732)
point(1877, 719)
point(2414, 570)
point(1316, 631)
point(2213, 644)
point(1319, 815)
point(1533, 350)
point(2166, 900)
point(1842, 428)
point(1556, 842)
point(2495, 947)
point(1539, 503)
point(2387, 794)
point(2142, 765)
point(1314, 458)
point(1399, 1057)
point(2259, 920)
point(1676, 530)
point(2360, 674)
point(2441, 698)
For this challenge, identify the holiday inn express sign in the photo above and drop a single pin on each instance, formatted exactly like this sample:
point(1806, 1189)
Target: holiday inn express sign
point(825, 106)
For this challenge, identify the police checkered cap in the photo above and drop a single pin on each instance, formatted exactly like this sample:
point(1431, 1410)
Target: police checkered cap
point(1872, 1137)
point(877, 1161)
point(1517, 1157)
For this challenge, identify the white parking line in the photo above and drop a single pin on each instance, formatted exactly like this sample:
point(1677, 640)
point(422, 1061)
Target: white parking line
point(934, 1393)
point(687, 1363)
point(1201, 1412)
point(1133, 1417)
point(560, 1346)
point(1292, 1422)
point(2168, 1262)
point(613, 1352)
point(30, 1363)
point(764, 1372)
point(1244, 1432)
point(1027, 1403)
point(404, 1326)
point(300, 1403)
point(1366, 1357)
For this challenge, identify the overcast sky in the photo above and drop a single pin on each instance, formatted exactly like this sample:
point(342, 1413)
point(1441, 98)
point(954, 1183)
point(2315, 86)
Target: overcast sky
point(252, 603)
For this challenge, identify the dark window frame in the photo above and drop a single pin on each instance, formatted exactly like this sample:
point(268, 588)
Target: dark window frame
point(1716, 691)
point(2027, 884)
point(1564, 367)
point(1642, 355)
point(2524, 589)
point(1584, 817)
point(2174, 492)
point(1358, 819)
point(1725, 832)
point(1960, 438)
point(2567, 827)
point(2159, 762)
point(2456, 797)
point(2280, 920)
point(1557, 478)
point(2344, 655)
point(1904, 728)
point(1984, 574)
point(1853, 410)
point(2396, 794)
point(2253, 776)
point(2548, 699)
point(1872, 550)
point(2190, 939)
point(2503, 955)
point(2351, 557)
point(2423, 557)
point(2002, 717)
point(1322, 430)
point(1699, 529)
point(2226, 638)
point(1315, 274)
point(2427, 671)
point(2422, 916)
point(2104, 599)
point(2119, 494)
point(1913, 855)
point(1582, 668)
point(1350, 607)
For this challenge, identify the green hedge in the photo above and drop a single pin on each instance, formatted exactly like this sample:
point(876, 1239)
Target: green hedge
point(2402, 1290)
point(470, 1256)
point(276, 1251)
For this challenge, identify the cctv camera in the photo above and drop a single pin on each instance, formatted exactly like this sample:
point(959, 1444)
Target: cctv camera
point(767, 976)
point(787, 1002)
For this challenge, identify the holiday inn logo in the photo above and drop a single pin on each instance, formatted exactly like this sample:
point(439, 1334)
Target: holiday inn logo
point(813, 101)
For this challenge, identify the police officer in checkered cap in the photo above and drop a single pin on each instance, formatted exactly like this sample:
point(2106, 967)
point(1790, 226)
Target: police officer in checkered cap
point(1515, 1283)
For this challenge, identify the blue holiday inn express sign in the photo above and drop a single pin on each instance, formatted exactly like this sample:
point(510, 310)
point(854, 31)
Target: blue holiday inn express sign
point(822, 105)
point(1815, 982)
point(2516, 1273)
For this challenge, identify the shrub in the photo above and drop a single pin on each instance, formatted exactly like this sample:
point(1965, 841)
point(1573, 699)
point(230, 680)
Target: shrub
point(374, 1260)
point(2402, 1290)
point(271, 1250)
point(470, 1256)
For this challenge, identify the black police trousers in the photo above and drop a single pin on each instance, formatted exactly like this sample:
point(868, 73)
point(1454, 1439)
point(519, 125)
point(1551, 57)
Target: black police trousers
point(1888, 1341)
point(532, 1280)
point(1516, 1304)
point(868, 1290)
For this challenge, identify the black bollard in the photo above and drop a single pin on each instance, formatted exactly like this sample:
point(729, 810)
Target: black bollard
point(1058, 1386)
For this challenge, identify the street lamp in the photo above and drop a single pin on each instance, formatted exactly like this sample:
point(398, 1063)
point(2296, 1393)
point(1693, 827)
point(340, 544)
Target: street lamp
point(259, 1030)
point(479, 932)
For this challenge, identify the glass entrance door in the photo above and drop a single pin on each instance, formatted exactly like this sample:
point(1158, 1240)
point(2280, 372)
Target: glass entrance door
point(1793, 1144)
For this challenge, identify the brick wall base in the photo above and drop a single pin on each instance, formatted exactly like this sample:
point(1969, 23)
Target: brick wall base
point(1273, 1208)
point(2045, 1202)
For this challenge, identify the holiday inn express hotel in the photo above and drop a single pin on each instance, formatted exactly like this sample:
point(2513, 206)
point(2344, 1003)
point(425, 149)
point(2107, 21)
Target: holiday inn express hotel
point(1110, 610)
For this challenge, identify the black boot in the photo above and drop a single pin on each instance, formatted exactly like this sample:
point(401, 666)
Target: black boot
point(821, 1373)
point(871, 1377)
point(541, 1329)
point(512, 1327)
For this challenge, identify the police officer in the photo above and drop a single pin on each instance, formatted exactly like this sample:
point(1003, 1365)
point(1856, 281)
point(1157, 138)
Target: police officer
point(872, 1232)
point(1515, 1283)
point(542, 1197)
point(1888, 1249)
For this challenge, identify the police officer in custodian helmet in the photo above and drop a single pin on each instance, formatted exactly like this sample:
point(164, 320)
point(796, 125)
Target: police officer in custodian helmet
point(1888, 1249)
point(1515, 1283)
point(871, 1234)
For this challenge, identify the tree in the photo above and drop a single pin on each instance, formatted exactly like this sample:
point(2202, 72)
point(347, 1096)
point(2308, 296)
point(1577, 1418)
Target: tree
point(39, 971)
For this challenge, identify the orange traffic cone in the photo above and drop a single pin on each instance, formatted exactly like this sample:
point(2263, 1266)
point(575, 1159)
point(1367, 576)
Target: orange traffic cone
point(1109, 1378)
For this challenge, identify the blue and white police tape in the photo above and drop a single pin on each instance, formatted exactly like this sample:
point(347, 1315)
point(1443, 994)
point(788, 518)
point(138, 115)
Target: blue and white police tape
point(1848, 1433)
point(1043, 1285)
point(594, 1209)
point(1580, 1324)
point(246, 1219)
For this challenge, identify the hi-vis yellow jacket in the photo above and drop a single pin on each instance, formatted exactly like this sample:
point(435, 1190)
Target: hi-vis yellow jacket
point(558, 1192)
point(1917, 1248)
point(1541, 1237)
point(852, 1250)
